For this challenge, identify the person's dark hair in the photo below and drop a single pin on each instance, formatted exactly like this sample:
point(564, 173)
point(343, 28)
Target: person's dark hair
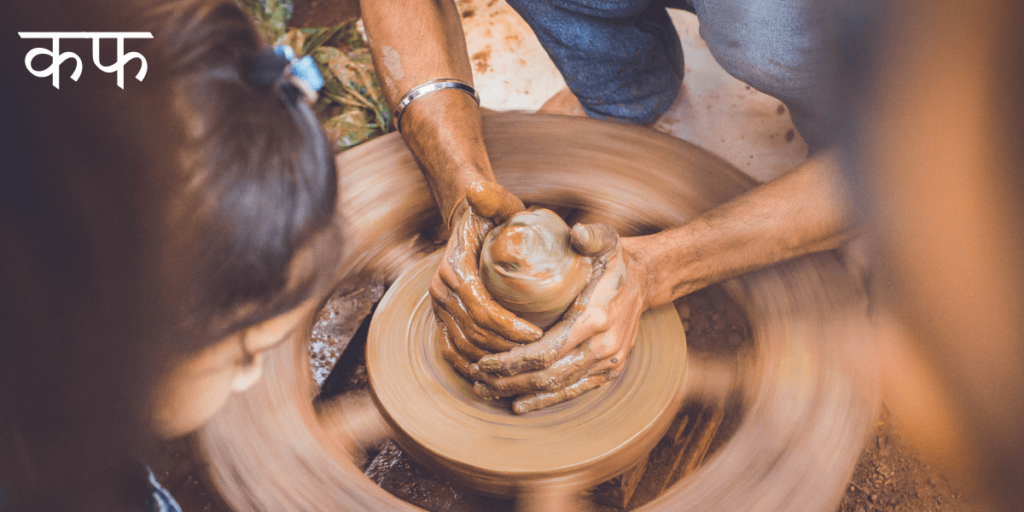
point(257, 173)
point(138, 224)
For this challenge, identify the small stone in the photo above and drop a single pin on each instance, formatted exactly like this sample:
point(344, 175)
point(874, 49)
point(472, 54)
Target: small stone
point(874, 498)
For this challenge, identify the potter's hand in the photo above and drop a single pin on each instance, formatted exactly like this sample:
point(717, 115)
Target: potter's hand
point(473, 324)
point(589, 346)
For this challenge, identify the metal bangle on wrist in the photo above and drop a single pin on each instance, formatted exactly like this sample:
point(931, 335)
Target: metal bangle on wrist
point(428, 87)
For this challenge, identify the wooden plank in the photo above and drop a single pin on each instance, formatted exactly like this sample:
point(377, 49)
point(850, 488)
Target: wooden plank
point(697, 444)
point(677, 429)
point(618, 491)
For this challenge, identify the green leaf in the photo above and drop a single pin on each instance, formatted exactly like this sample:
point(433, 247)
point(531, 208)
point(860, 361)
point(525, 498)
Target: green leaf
point(350, 129)
point(350, 37)
point(317, 37)
point(351, 106)
point(270, 20)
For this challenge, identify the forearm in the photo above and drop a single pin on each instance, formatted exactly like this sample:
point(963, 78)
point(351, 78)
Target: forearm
point(414, 41)
point(801, 212)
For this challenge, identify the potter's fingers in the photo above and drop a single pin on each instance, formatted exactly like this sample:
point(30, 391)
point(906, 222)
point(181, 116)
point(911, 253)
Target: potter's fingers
point(598, 374)
point(483, 390)
point(529, 403)
point(462, 365)
point(481, 337)
point(444, 299)
point(473, 233)
point(484, 338)
point(606, 281)
point(564, 336)
point(616, 342)
point(440, 295)
point(490, 200)
point(485, 312)
point(458, 338)
point(460, 262)
point(562, 373)
point(477, 335)
point(610, 367)
point(593, 239)
point(461, 256)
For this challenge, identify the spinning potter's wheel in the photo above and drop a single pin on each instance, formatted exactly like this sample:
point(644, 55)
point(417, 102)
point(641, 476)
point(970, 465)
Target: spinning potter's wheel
point(807, 390)
point(435, 416)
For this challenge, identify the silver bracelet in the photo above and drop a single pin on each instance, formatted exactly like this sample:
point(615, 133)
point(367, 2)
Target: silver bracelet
point(428, 87)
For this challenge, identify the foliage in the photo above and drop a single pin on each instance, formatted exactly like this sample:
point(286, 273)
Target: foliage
point(351, 106)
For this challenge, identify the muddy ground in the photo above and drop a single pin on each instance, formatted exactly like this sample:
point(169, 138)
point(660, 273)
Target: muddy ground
point(888, 477)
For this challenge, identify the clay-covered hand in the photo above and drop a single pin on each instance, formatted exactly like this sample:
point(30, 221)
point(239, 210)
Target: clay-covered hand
point(589, 346)
point(474, 325)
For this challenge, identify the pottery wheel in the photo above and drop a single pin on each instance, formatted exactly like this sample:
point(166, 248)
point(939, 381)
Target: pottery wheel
point(807, 389)
point(436, 417)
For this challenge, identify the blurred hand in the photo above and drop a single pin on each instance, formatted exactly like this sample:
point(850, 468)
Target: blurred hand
point(589, 346)
point(473, 324)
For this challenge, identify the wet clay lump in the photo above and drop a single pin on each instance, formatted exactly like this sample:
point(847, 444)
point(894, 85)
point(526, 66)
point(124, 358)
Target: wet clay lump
point(529, 266)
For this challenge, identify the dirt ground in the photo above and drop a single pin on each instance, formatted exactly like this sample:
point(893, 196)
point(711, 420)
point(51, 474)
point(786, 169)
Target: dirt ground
point(891, 477)
point(888, 477)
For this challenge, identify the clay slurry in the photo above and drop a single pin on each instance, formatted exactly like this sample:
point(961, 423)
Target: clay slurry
point(530, 267)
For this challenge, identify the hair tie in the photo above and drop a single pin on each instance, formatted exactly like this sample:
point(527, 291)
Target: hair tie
point(269, 66)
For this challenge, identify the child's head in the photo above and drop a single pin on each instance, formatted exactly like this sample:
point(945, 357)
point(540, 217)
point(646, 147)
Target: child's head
point(153, 241)
point(251, 235)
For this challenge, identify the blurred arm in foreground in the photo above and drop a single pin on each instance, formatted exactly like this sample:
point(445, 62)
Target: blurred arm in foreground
point(941, 161)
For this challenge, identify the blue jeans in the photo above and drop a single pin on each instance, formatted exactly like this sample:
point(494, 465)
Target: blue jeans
point(623, 59)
